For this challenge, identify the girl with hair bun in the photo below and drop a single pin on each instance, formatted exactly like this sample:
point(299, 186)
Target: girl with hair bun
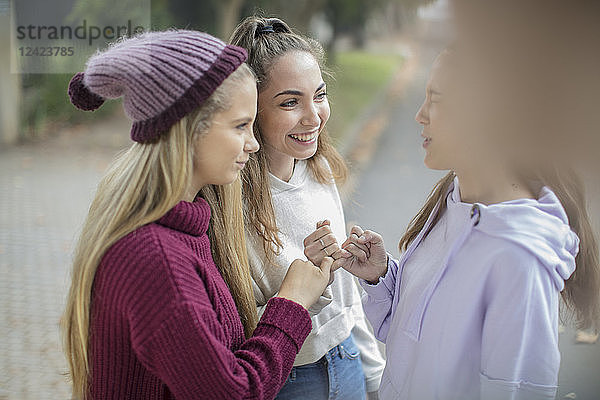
point(293, 210)
point(161, 303)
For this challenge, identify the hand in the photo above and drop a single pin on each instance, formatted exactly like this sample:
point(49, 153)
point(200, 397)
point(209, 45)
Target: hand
point(322, 243)
point(304, 282)
point(367, 258)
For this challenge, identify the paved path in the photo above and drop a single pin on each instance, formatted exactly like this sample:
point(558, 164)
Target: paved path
point(45, 190)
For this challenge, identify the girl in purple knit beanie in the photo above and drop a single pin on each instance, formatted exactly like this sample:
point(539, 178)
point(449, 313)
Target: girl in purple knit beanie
point(161, 304)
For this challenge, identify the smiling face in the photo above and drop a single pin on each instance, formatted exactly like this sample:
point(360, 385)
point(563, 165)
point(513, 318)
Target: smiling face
point(222, 152)
point(292, 109)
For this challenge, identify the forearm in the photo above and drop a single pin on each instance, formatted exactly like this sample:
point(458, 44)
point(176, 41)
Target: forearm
point(189, 354)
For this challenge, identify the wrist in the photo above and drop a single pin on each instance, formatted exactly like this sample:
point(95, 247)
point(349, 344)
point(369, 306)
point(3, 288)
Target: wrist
point(382, 274)
point(292, 298)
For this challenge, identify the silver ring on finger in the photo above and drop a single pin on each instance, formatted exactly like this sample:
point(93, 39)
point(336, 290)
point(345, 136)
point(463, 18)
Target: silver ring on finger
point(322, 243)
point(325, 250)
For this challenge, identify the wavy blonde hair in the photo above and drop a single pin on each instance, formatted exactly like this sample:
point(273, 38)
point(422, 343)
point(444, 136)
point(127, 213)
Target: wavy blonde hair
point(326, 165)
point(140, 186)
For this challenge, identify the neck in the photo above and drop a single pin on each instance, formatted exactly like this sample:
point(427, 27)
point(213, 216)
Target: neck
point(492, 186)
point(191, 192)
point(281, 165)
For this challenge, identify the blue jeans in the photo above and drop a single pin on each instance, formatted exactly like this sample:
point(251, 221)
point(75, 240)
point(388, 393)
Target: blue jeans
point(338, 375)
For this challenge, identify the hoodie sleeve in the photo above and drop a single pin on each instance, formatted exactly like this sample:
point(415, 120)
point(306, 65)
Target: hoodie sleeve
point(519, 354)
point(377, 300)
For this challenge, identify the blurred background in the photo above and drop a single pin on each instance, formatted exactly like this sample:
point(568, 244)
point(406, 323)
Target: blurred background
point(379, 52)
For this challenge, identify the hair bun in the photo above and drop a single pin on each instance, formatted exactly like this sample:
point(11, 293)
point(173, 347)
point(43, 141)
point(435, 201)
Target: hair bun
point(81, 96)
point(279, 26)
point(271, 25)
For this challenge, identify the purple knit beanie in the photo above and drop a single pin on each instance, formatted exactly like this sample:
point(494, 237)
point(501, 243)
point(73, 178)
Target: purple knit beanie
point(162, 76)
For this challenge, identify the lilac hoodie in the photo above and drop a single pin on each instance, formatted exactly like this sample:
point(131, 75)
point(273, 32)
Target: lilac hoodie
point(471, 311)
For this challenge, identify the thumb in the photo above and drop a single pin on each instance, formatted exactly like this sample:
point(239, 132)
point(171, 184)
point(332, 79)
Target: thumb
point(323, 223)
point(326, 265)
point(339, 263)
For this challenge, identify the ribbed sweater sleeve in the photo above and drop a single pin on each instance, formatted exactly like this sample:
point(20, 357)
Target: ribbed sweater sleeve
point(187, 354)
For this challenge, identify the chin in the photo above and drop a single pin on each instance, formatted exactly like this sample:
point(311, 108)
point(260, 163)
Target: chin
point(305, 155)
point(433, 164)
point(229, 179)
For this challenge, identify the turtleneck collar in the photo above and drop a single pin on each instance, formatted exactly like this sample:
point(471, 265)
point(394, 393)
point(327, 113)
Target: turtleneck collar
point(188, 217)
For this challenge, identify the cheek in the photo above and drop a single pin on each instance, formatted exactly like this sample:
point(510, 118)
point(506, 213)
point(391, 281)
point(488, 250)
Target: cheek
point(275, 125)
point(232, 146)
point(324, 112)
point(217, 150)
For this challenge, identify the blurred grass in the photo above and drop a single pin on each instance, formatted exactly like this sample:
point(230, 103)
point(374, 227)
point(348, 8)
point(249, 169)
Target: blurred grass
point(359, 76)
point(46, 107)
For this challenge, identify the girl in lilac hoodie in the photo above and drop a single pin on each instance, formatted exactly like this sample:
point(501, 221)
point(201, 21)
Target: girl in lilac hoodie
point(471, 308)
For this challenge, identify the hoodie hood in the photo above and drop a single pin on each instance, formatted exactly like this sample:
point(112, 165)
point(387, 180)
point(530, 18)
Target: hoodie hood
point(538, 225)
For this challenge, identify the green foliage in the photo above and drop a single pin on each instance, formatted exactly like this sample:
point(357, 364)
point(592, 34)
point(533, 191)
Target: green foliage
point(359, 77)
point(45, 104)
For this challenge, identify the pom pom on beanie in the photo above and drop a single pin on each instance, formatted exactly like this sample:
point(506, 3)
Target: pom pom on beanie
point(81, 96)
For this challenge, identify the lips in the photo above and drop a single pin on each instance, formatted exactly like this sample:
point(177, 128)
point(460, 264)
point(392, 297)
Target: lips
point(305, 137)
point(427, 141)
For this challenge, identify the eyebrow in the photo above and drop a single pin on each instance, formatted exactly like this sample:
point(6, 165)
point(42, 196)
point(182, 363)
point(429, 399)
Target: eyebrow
point(243, 119)
point(297, 92)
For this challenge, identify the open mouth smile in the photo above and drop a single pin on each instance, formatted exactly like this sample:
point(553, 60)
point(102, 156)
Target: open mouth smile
point(305, 138)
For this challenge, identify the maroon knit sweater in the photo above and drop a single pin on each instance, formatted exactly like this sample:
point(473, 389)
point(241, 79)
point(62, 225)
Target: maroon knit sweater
point(165, 326)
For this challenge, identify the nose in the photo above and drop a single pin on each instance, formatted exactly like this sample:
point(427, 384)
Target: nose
point(422, 117)
point(311, 117)
point(251, 145)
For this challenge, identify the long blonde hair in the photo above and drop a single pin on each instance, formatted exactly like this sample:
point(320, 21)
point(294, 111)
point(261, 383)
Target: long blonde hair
point(263, 49)
point(140, 186)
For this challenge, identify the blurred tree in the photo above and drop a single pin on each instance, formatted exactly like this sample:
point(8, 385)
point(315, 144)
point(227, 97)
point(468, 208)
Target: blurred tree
point(402, 11)
point(297, 14)
point(350, 17)
point(230, 12)
point(218, 17)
